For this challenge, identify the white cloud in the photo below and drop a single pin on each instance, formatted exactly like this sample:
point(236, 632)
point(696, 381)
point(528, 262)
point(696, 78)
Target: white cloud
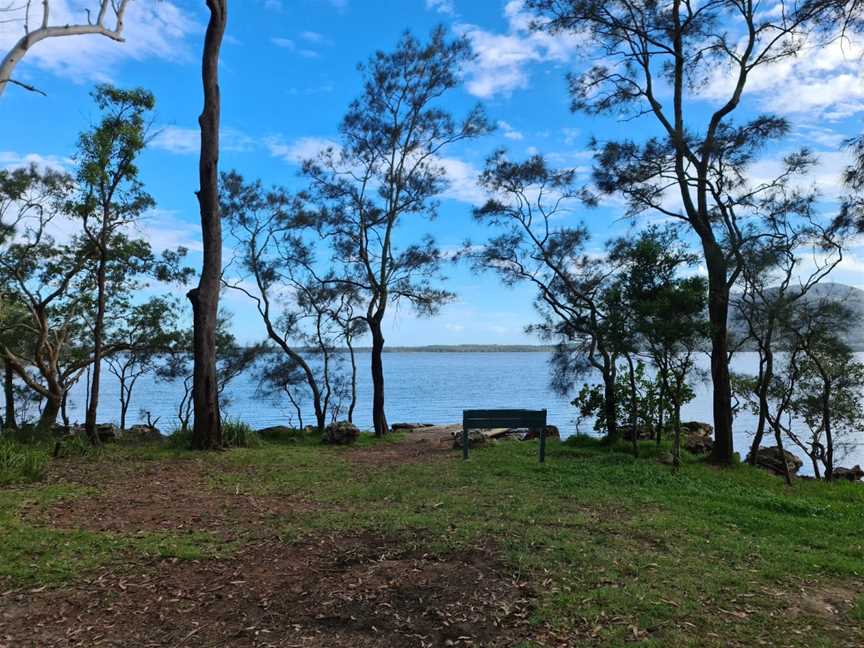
point(285, 43)
point(462, 178)
point(153, 30)
point(304, 148)
point(502, 60)
point(441, 6)
point(822, 80)
point(509, 132)
point(184, 141)
point(12, 160)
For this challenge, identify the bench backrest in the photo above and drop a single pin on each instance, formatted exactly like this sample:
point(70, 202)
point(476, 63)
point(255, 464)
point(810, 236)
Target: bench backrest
point(503, 418)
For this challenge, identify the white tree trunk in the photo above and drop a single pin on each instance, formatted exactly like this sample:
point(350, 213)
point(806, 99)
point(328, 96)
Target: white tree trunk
point(46, 30)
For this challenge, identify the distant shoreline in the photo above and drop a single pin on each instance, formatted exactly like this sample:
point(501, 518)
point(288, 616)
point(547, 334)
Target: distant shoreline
point(466, 348)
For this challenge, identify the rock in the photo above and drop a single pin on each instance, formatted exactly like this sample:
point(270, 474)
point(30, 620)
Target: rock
point(340, 433)
point(697, 443)
point(551, 433)
point(644, 432)
point(475, 438)
point(697, 427)
point(667, 459)
point(276, 432)
point(850, 474)
point(107, 432)
point(771, 459)
point(141, 433)
point(408, 427)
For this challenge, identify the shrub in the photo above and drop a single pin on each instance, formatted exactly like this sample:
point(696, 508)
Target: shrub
point(21, 464)
point(75, 445)
point(237, 434)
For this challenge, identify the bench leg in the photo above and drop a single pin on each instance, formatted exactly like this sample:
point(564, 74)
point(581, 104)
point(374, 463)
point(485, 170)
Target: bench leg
point(465, 444)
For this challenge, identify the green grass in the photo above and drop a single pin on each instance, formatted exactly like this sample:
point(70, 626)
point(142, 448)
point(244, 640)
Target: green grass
point(616, 547)
point(20, 463)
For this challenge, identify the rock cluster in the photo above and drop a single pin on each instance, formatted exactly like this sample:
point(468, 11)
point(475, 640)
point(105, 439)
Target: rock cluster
point(479, 437)
point(340, 433)
point(771, 459)
point(697, 437)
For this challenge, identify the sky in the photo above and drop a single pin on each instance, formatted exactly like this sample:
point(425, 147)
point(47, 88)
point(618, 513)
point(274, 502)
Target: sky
point(288, 73)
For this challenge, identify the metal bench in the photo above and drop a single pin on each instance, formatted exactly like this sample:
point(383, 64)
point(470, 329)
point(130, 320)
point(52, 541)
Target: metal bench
point(534, 420)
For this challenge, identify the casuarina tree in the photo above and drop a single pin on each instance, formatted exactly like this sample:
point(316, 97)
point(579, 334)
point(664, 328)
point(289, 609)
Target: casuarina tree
point(387, 168)
point(653, 60)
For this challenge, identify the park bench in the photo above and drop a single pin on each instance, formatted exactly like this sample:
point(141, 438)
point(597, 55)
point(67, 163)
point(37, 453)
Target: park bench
point(534, 420)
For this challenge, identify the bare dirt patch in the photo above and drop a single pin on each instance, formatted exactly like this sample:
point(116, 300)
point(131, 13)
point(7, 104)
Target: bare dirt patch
point(423, 444)
point(339, 592)
point(168, 496)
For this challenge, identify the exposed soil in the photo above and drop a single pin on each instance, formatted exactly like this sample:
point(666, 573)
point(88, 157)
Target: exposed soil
point(422, 444)
point(357, 592)
point(161, 496)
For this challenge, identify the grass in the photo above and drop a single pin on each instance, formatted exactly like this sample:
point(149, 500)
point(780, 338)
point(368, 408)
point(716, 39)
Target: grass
point(20, 463)
point(617, 548)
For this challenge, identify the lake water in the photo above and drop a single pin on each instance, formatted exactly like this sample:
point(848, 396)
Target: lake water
point(420, 387)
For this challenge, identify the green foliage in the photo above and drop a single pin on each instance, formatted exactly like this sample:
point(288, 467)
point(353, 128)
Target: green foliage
point(237, 434)
point(77, 446)
point(21, 464)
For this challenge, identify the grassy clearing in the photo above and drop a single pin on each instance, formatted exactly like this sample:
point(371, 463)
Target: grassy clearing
point(618, 549)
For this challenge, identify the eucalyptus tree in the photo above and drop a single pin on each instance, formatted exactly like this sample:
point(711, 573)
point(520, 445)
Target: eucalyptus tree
point(388, 168)
point(305, 314)
point(100, 17)
point(655, 61)
point(533, 245)
point(207, 433)
point(111, 198)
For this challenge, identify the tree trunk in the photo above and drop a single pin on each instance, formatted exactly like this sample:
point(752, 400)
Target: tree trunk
point(829, 435)
point(718, 313)
point(124, 403)
point(98, 327)
point(610, 403)
point(766, 374)
point(634, 410)
point(9, 420)
point(207, 430)
point(353, 403)
point(48, 418)
point(676, 445)
point(379, 417)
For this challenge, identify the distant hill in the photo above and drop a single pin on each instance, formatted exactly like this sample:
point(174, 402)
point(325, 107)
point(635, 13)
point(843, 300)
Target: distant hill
point(850, 296)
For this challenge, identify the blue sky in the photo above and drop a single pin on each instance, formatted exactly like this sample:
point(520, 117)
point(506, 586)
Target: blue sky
point(288, 73)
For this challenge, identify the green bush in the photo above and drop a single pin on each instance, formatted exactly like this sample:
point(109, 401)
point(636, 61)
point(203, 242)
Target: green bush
point(237, 434)
point(20, 464)
point(76, 446)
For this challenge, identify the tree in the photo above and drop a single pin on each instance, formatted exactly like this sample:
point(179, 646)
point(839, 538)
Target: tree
point(388, 168)
point(178, 364)
point(158, 316)
point(304, 315)
point(645, 46)
point(111, 199)
point(534, 247)
point(828, 394)
point(42, 275)
point(107, 12)
point(207, 431)
point(773, 286)
point(665, 312)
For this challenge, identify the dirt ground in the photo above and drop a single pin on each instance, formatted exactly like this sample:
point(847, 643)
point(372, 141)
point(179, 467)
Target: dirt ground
point(351, 591)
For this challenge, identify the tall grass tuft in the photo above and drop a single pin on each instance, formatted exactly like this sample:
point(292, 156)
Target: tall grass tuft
point(21, 464)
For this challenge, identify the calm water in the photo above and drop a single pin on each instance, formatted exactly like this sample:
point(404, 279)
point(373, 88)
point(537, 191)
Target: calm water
point(421, 387)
